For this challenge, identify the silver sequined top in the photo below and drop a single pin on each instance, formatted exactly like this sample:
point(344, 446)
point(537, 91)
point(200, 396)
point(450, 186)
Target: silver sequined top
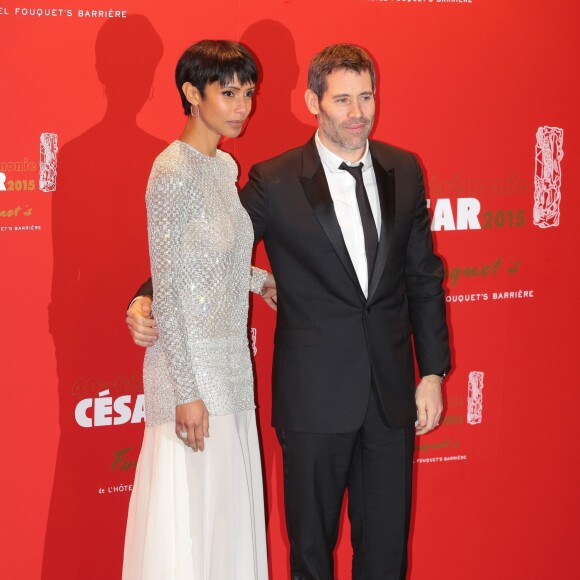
point(200, 244)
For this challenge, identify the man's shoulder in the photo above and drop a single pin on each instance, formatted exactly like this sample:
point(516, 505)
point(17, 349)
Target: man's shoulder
point(388, 154)
point(291, 159)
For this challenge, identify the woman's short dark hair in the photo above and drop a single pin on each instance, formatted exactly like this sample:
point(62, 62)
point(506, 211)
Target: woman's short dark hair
point(338, 57)
point(210, 61)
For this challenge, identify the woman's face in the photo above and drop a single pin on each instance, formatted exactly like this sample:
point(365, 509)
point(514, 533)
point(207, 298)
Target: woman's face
point(224, 109)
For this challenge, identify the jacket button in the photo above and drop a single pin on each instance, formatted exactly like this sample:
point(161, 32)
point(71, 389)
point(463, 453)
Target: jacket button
point(368, 309)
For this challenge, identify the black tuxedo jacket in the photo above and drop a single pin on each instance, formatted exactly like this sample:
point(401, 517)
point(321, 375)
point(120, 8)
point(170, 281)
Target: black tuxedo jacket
point(332, 345)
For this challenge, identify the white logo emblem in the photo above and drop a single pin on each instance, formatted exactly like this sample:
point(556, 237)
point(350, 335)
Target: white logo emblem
point(48, 150)
point(465, 217)
point(548, 176)
point(475, 397)
point(253, 335)
point(103, 410)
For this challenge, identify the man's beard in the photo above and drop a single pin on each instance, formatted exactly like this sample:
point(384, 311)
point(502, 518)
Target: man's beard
point(338, 133)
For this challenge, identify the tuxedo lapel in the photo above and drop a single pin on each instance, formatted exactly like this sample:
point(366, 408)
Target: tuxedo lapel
point(386, 187)
point(315, 185)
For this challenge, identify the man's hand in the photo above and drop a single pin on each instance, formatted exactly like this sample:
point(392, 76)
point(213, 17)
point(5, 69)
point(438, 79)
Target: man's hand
point(429, 403)
point(269, 293)
point(142, 325)
point(193, 419)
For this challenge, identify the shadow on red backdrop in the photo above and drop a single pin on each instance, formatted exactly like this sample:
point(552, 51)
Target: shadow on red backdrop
point(272, 129)
point(99, 243)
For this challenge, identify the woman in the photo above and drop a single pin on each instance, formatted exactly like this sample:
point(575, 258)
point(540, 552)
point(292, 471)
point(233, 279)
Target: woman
point(196, 511)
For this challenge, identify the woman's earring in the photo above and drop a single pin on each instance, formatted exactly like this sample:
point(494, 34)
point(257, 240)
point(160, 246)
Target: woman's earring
point(195, 111)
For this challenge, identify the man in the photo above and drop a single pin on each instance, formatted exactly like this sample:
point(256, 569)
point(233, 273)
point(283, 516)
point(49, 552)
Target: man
point(351, 251)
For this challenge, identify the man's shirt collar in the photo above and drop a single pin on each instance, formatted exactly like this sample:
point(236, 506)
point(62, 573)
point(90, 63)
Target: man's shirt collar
point(332, 162)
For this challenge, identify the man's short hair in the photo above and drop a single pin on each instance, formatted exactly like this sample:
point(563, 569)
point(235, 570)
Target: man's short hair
point(337, 57)
point(210, 61)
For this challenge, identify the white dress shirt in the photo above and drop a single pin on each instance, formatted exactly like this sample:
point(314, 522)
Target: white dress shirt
point(343, 192)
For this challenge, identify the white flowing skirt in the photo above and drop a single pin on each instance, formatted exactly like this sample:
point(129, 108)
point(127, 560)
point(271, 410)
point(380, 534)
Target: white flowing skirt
point(198, 516)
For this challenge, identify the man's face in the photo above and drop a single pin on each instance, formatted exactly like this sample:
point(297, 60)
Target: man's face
point(345, 112)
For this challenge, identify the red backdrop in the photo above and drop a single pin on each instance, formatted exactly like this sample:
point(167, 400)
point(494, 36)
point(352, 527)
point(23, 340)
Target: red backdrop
point(484, 91)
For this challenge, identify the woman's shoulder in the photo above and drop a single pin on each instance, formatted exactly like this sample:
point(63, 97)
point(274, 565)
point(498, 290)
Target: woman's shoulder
point(179, 163)
point(171, 158)
point(169, 173)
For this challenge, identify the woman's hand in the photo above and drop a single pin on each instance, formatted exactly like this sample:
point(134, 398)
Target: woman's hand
point(192, 424)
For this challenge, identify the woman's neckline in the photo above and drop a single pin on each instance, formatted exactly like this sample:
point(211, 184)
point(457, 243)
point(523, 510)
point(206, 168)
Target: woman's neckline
point(192, 148)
